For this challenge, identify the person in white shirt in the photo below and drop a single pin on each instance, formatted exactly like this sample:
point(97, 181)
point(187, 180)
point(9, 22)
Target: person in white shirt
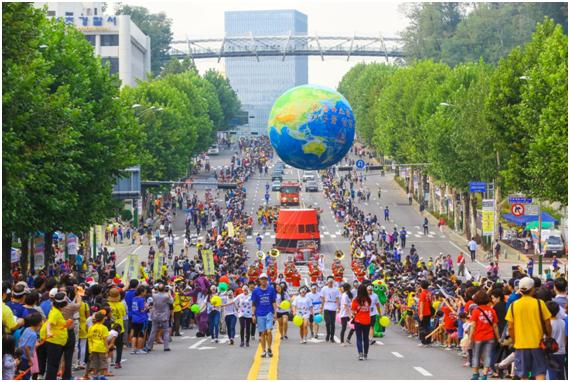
point(472, 245)
point(229, 305)
point(375, 310)
point(245, 310)
point(186, 246)
point(303, 306)
point(330, 298)
point(345, 309)
point(282, 314)
point(315, 297)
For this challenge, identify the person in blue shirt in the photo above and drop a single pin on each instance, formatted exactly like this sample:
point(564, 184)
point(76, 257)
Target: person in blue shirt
point(264, 313)
point(138, 318)
point(17, 301)
point(530, 267)
point(27, 342)
point(403, 235)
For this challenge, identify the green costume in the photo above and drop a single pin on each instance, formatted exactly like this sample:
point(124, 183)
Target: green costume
point(381, 290)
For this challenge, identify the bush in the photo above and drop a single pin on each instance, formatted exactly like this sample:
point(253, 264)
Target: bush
point(126, 215)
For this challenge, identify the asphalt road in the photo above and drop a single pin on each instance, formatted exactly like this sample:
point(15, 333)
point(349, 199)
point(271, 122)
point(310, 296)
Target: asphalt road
point(394, 357)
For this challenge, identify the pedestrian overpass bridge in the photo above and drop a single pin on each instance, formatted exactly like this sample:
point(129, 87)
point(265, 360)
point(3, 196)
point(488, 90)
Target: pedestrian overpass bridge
point(288, 45)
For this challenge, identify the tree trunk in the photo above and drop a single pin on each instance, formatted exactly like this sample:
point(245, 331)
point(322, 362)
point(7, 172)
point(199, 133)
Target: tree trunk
point(455, 209)
point(466, 203)
point(25, 254)
point(48, 247)
point(431, 194)
point(442, 193)
point(6, 255)
point(412, 180)
point(497, 211)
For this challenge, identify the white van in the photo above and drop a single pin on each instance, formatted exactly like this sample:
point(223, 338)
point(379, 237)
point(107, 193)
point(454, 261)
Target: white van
point(553, 243)
point(213, 150)
point(309, 175)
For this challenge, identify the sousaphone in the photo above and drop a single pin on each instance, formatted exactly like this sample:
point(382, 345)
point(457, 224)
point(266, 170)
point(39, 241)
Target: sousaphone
point(260, 255)
point(274, 252)
point(338, 254)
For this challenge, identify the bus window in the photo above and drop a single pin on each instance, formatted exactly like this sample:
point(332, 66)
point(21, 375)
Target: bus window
point(310, 228)
point(301, 228)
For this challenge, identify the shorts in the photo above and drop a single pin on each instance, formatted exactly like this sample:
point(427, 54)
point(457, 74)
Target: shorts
point(98, 361)
point(450, 331)
point(138, 329)
point(281, 314)
point(311, 318)
point(264, 323)
point(373, 319)
point(530, 361)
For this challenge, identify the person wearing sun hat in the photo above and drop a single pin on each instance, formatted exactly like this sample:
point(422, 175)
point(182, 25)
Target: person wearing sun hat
point(118, 315)
point(526, 330)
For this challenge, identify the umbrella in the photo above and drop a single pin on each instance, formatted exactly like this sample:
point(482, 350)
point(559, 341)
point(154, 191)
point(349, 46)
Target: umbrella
point(534, 225)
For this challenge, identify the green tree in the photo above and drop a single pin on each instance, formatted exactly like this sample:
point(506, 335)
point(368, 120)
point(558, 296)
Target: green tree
point(155, 25)
point(227, 96)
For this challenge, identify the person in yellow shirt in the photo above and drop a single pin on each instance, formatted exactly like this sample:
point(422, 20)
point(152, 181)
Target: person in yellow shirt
point(56, 335)
point(83, 316)
point(177, 312)
point(98, 347)
point(529, 322)
point(118, 314)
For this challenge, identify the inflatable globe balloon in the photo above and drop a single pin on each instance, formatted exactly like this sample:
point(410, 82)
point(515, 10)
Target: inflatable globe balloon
point(318, 318)
point(216, 301)
point(195, 308)
point(298, 320)
point(311, 127)
point(285, 305)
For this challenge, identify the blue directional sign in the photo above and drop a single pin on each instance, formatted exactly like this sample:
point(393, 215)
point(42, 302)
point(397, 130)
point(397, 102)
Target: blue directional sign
point(360, 164)
point(519, 200)
point(477, 187)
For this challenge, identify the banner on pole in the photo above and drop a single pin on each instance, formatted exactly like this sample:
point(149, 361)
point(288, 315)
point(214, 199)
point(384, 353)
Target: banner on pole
point(231, 231)
point(208, 261)
point(488, 221)
point(39, 251)
point(72, 244)
point(157, 266)
point(131, 268)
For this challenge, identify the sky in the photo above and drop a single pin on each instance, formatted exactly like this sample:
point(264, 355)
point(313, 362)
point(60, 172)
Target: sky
point(199, 19)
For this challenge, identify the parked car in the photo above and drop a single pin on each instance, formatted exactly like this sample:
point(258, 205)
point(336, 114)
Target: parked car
point(276, 185)
point(311, 186)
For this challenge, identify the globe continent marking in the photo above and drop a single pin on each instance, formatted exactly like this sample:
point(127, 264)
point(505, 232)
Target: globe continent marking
point(311, 127)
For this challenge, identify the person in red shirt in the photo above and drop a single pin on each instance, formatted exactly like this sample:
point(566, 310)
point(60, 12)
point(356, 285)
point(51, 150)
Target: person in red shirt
point(449, 320)
point(361, 312)
point(484, 334)
point(296, 279)
point(424, 312)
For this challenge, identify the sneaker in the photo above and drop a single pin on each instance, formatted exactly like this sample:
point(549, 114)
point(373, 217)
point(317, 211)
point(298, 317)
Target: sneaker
point(216, 340)
point(475, 377)
point(365, 356)
point(241, 344)
point(212, 341)
point(167, 349)
point(264, 354)
point(483, 377)
point(118, 366)
point(231, 342)
point(141, 351)
point(361, 357)
point(348, 341)
point(269, 352)
point(247, 344)
point(286, 337)
point(372, 342)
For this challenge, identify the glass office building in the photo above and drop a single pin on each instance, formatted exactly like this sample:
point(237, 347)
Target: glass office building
point(258, 84)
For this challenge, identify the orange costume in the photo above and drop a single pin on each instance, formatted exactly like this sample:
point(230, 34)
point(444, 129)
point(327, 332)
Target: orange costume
point(272, 271)
point(337, 271)
point(290, 270)
point(296, 279)
point(253, 273)
point(314, 272)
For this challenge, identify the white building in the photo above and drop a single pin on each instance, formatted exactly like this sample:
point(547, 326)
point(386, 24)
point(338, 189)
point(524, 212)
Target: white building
point(116, 39)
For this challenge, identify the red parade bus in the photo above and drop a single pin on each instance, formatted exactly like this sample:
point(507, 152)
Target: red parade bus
point(296, 228)
point(290, 193)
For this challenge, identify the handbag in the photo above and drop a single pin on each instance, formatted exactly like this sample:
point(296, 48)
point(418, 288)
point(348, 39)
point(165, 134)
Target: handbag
point(548, 344)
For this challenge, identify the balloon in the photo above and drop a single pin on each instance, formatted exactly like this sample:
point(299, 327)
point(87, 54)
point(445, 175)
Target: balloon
point(298, 320)
point(225, 279)
point(318, 319)
point(223, 287)
point(385, 321)
point(216, 301)
point(285, 305)
point(195, 308)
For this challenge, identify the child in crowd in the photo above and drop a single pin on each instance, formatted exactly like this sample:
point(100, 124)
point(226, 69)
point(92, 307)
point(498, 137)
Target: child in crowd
point(9, 357)
point(27, 343)
point(98, 347)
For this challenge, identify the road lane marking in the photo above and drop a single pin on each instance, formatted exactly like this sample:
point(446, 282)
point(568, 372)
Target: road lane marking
point(397, 355)
point(197, 344)
point(423, 371)
point(274, 363)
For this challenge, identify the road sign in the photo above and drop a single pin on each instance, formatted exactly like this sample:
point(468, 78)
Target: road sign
point(477, 187)
point(531, 210)
point(360, 164)
point(514, 199)
point(517, 209)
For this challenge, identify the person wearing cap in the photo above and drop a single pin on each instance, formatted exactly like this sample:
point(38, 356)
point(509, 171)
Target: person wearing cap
point(16, 303)
point(264, 313)
point(527, 317)
point(118, 313)
point(9, 322)
point(56, 335)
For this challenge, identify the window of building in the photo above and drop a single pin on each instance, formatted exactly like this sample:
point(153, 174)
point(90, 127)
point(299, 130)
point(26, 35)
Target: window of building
point(95, 11)
point(69, 13)
point(109, 40)
point(114, 63)
point(91, 39)
point(88, 11)
point(51, 13)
